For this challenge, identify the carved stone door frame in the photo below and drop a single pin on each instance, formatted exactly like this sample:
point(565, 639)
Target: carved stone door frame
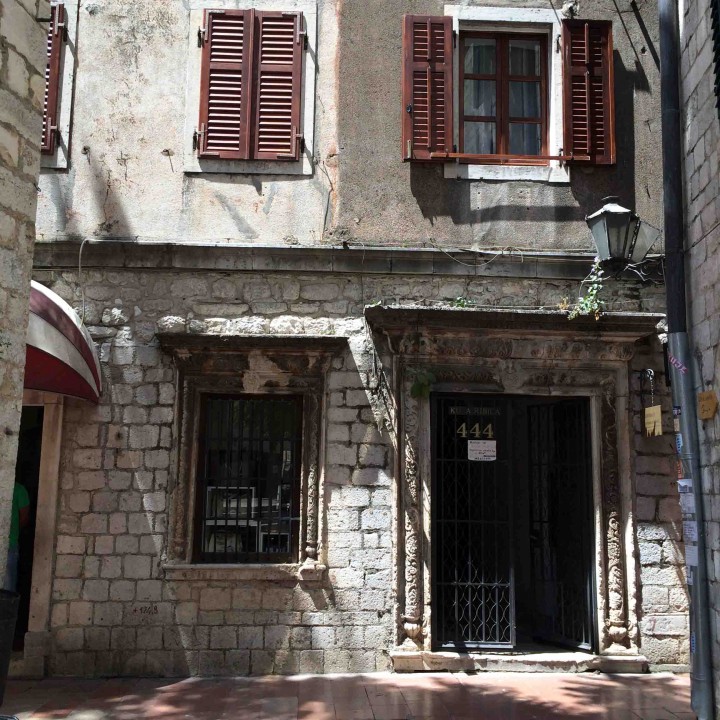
point(516, 354)
point(612, 495)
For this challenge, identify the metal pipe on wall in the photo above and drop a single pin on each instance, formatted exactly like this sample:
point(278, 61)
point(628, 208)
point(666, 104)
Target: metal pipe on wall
point(684, 400)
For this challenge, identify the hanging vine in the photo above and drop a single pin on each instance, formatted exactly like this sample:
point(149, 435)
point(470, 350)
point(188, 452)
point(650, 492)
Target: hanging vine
point(589, 302)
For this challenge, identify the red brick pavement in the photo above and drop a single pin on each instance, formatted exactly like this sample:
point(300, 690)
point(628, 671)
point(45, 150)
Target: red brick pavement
point(382, 696)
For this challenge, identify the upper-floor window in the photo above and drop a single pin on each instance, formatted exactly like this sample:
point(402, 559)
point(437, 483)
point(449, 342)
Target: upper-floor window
point(250, 93)
point(251, 88)
point(59, 78)
point(55, 41)
point(507, 93)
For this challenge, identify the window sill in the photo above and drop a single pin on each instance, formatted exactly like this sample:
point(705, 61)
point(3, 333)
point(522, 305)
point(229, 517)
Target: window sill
point(307, 571)
point(553, 173)
point(193, 164)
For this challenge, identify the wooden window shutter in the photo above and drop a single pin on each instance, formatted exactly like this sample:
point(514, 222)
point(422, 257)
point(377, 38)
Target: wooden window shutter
point(280, 46)
point(55, 40)
point(589, 91)
point(427, 87)
point(225, 84)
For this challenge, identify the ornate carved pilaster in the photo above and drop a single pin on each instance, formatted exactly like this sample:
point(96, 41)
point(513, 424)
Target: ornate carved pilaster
point(312, 418)
point(266, 365)
point(412, 614)
point(616, 621)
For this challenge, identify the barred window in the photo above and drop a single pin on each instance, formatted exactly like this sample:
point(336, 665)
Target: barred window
point(248, 479)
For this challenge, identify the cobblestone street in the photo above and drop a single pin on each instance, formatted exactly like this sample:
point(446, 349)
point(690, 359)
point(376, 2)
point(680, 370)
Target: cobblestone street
point(382, 696)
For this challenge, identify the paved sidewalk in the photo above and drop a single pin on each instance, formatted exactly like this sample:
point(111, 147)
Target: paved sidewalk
point(382, 696)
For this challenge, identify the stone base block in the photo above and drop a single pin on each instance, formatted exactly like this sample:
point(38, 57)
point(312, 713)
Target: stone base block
point(26, 668)
point(569, 662)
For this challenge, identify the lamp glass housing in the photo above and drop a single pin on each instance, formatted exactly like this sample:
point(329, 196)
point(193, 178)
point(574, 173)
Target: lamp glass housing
point(620, 235)
point(647, 235)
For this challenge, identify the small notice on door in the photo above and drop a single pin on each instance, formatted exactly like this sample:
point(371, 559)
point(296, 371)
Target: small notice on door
point(691, 555)
point(482, 450)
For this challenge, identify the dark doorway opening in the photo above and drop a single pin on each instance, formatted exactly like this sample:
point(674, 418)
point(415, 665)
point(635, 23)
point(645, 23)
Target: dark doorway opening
point(27, 473)
point(512, 523)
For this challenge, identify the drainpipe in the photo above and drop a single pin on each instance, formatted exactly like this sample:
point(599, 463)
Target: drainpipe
point(679, 351)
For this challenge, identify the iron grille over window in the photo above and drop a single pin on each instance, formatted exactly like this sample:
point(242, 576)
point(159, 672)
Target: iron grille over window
point(248, 490)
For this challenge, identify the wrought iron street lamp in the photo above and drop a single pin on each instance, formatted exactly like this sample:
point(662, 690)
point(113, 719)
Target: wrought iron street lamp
point(621, 237)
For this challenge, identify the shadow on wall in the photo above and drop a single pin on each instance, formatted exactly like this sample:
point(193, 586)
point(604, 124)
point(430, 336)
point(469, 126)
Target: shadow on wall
point(112, 218)
point(487, 203)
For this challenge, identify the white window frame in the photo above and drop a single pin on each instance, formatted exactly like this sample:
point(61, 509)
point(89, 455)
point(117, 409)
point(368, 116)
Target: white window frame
point(60, 159)
point(515, 20)
point(191, 162)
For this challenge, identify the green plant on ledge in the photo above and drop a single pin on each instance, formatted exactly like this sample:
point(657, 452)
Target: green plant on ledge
point(588, 303)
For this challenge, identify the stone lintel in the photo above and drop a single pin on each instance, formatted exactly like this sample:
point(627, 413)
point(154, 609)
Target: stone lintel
point(136, 254)
point(398, 321)
point(277, 573)
point(185, 343)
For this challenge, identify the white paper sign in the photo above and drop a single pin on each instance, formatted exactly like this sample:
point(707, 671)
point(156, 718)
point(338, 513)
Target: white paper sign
point(691, 555)
point(687, 503)
point(685, 485)
point(690, 531)
point(482, 450)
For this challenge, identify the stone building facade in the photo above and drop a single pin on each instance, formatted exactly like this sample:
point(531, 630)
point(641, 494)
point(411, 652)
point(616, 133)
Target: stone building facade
point(22, 70)
point(370, 296)
point(699, 44)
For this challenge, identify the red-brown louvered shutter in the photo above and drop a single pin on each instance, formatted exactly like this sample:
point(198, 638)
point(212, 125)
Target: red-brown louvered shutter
point(589, 91)
point(427, 88)
point(225, 85)
point(55, 39)
point(281, 41)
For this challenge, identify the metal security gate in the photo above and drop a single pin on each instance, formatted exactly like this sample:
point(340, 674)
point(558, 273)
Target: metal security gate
point(511, 509)
point(561, 525)
point(472, 523)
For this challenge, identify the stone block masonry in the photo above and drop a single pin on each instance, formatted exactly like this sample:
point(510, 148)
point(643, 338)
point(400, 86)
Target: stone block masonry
point(117, 608)
point(22, 72)
point(702, 214)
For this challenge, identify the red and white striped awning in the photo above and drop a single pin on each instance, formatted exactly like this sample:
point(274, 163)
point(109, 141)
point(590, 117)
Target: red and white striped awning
point(60, 355)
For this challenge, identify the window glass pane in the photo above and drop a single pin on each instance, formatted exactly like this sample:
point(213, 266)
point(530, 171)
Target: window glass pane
point(524, 57)
point(525, 100)
point(480, 97)
point(480, 56)
point(480, 138)
point(525, 139)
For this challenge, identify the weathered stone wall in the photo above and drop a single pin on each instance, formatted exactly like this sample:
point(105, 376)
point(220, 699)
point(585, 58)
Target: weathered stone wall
point(116, 609)
point(663, 593)
point(702, 208)
point(383, 200)
point(127, 179)
point(22, 84)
